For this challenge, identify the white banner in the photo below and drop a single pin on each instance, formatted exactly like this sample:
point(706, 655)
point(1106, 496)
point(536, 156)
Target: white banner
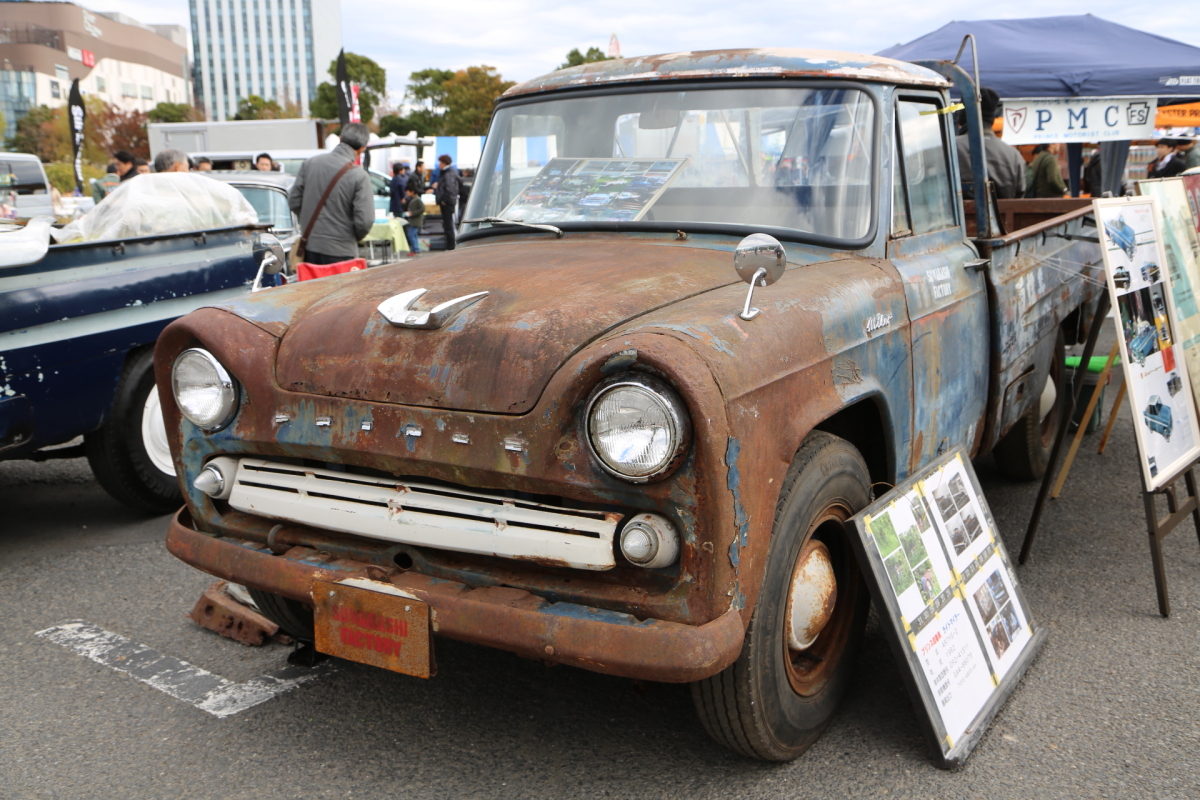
point(1078, 119)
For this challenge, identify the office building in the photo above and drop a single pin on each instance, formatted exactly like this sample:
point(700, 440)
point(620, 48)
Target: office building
point(45, 46)
point(276, 49)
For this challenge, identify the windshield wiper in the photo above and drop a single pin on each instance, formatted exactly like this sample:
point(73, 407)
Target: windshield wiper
point(502, 221)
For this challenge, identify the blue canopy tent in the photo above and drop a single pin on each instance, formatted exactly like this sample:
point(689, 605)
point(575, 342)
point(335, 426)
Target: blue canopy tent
point(1068, 56)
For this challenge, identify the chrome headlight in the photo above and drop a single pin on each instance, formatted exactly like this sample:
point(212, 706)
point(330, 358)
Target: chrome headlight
point(637, 427)
point(204, 391)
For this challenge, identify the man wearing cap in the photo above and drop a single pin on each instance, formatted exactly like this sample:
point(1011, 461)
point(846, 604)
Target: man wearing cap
point(1005, 167)
point(1187, 150)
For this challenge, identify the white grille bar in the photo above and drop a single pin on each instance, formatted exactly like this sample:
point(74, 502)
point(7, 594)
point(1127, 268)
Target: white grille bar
point(425, 514)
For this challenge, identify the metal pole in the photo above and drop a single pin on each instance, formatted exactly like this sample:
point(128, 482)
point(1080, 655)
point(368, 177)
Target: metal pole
point(1073, 399)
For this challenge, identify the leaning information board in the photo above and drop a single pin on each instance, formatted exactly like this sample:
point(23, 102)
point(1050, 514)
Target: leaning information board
point(950, 601)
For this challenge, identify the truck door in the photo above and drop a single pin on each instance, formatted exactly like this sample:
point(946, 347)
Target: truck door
point(944, 283)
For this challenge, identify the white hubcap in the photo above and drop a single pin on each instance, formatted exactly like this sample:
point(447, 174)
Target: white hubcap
point(1049, 397)
point(812, 596)
point(154, 435)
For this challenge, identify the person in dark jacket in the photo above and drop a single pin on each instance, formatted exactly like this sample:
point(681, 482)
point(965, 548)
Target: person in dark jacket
point(1045, 176)
point(416, 179)
point(349, 212)
point(414, 215)
point(447, 190)
point(1005, 167)
point(1167, 161)
point(396, 189)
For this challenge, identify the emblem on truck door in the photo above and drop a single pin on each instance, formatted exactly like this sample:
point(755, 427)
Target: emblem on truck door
point(398, 310)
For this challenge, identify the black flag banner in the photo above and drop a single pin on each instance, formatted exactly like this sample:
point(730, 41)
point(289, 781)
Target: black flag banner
point(76, 114)
point(345, 100)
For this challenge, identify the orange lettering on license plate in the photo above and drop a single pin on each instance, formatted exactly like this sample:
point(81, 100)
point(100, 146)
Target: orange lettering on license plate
point(373, 627)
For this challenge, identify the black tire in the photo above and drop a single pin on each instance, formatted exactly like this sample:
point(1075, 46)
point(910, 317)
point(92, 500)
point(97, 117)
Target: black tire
point(120, 455)
point(294, 619)
point(773, 702)
point(1024, 452)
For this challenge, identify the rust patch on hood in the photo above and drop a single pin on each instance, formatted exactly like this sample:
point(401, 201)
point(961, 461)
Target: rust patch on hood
point(545, 302)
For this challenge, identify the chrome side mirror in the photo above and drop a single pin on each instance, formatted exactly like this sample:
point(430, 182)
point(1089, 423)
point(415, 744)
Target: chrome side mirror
point(759, 260)
point(273, 261)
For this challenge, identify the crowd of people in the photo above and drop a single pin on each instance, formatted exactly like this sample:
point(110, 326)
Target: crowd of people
point(334, 214)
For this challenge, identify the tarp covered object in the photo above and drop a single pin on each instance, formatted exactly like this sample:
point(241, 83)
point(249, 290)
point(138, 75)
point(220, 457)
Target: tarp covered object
point(161, 203)
point(1067, 56)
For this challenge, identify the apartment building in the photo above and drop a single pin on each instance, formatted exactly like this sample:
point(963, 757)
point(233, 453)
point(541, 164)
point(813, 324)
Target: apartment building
point(276, 49)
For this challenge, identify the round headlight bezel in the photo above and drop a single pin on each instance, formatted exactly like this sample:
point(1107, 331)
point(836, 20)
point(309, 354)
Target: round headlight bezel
point(228, 388)
point(679, 424)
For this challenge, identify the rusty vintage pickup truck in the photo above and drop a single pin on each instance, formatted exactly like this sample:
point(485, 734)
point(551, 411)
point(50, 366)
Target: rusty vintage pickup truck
point(582, 437)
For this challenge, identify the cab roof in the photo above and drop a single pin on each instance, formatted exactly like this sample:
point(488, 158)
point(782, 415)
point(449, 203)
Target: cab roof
point(744, 63)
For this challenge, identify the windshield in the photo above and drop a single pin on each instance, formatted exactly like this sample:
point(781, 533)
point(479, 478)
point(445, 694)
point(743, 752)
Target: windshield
point(791, 158)
point(271, 205)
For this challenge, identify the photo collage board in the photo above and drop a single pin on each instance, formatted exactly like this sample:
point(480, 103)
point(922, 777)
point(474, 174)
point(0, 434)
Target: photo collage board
point(956, 613)
point(607, 189)
point(1156, 371)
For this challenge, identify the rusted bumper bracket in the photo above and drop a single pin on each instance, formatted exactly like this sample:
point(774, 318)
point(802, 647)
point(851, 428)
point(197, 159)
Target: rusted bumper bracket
point(501, 617)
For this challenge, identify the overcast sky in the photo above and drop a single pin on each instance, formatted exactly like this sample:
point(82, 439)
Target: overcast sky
point(525, 38)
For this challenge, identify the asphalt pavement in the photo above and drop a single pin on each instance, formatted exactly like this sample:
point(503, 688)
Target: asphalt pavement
point(1109, 709)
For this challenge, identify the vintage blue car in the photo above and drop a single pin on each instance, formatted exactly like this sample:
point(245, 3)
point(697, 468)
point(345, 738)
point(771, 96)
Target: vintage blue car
point(77, 329)
point(1143, 343)
point(1151, 273)
point(1158, 417)
point(1122, 235)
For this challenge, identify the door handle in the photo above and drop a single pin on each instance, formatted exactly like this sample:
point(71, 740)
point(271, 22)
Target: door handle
point(977, 265)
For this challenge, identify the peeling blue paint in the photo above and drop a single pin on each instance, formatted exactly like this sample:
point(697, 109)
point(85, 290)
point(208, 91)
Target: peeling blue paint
point(701, 334)
point(576, 611)
point(740, 520)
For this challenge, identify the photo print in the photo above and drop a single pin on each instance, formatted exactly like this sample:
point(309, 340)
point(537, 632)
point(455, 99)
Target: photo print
point(959, 514)
point(907, 542)
point(993, 604)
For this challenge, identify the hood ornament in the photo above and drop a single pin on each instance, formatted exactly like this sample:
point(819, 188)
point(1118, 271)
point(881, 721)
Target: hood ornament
point(398, 310)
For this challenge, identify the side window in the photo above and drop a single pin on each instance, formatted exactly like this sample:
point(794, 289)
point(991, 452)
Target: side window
point(925, 177)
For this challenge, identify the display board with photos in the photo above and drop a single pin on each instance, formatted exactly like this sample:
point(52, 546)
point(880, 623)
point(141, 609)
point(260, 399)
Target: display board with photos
point(1156, 373)
point(952, 605)
point(608, 189)
point(1181, 249)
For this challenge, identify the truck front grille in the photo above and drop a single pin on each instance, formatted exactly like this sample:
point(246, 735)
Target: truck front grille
point(428, 515)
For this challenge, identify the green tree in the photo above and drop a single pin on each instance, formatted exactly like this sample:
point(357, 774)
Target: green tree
point(39, 132)
point(372, 88)
point(255, 107)
point(427, 88)
point(470, 94)
point(172, 112)
point(575, 58)
point(423, 121)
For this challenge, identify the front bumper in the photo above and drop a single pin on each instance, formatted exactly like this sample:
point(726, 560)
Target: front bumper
point(502, 617)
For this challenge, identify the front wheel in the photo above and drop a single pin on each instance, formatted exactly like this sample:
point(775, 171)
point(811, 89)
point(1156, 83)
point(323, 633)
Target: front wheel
point(776, 699)
point(129, 454)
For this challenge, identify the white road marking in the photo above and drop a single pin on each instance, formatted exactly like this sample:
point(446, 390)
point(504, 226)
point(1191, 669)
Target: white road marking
point(205, 690)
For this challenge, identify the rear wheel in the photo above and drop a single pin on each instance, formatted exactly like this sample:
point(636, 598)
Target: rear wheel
point(1024, 452)
point(129, 454)
point(777, 698)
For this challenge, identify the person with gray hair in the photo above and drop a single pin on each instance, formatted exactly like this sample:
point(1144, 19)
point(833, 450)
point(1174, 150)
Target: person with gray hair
point(333, 200)
point(171, 161)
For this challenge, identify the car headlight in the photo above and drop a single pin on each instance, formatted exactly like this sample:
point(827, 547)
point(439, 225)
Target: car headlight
point(204, 391)
point(637, 427)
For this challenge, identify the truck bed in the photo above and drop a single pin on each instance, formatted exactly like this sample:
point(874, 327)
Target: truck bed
point(1040, 272)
